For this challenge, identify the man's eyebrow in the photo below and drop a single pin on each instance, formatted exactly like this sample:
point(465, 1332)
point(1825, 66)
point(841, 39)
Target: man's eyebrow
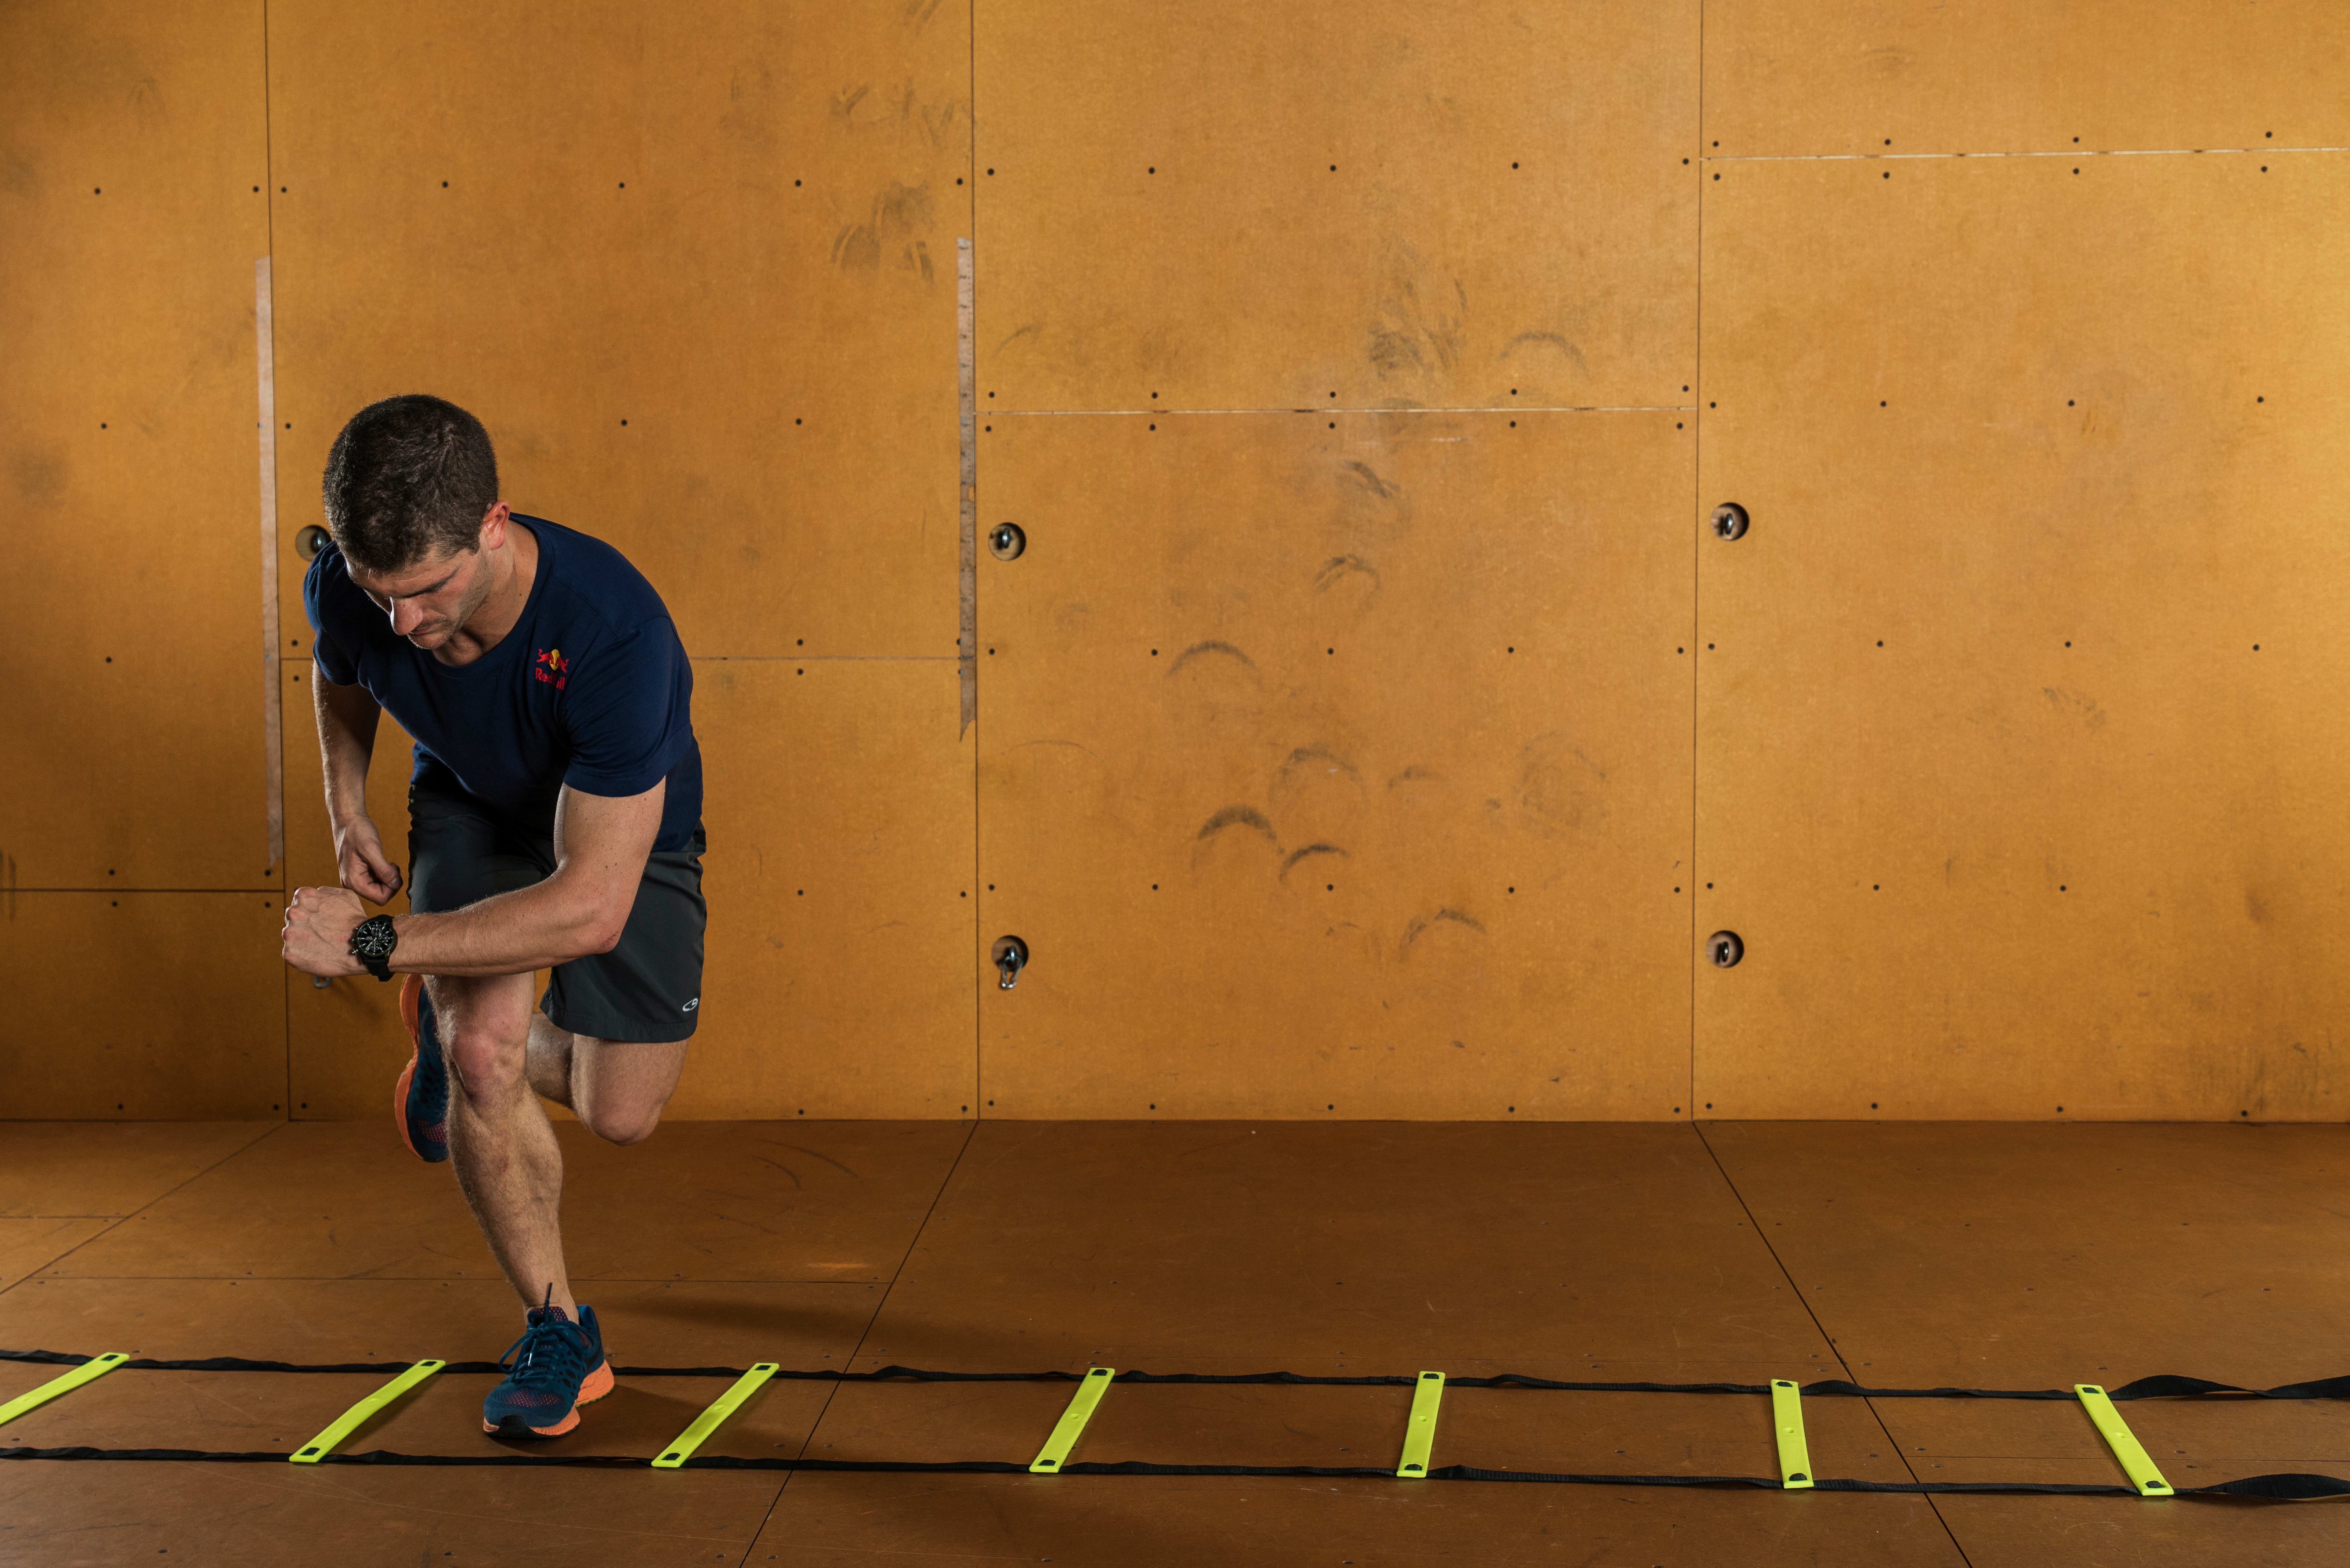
point(418, 593)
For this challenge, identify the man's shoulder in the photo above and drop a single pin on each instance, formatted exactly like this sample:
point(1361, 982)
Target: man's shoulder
point(596, 582)
point(327, 588)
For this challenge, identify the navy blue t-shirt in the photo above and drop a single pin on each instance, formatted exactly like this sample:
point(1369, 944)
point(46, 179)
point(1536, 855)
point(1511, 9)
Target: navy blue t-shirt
point(591, 688)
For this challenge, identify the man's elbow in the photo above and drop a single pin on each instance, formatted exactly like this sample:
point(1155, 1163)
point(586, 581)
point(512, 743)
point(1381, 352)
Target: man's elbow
point(598, 929)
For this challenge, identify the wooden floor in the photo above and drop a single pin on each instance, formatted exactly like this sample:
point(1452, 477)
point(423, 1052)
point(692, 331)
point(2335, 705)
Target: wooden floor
point(1897, 1254)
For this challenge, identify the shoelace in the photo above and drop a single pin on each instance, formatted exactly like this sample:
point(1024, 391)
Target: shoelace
point(546, 1357)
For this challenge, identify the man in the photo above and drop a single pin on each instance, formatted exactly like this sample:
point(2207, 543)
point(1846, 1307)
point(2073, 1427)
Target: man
point(554, 823)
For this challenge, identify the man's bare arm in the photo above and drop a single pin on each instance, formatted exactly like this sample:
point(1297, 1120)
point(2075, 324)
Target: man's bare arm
point(601, 844)
point(347, 719)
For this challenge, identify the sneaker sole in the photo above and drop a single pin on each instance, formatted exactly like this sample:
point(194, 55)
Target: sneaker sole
point(592, 1387)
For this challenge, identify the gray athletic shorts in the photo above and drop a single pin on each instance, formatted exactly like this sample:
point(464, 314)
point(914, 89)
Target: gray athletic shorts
point(648, 988)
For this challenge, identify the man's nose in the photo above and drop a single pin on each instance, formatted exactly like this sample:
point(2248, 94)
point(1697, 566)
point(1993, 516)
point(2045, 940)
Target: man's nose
point(406, 616)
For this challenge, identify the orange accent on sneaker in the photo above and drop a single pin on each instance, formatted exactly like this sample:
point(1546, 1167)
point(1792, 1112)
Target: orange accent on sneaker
point(592, 1387)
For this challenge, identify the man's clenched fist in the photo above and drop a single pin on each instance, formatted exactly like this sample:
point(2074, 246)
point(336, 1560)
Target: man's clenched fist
point(318, 926)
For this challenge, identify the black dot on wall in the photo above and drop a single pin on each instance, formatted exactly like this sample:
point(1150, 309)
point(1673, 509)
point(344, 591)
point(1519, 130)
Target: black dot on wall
point(803, 1113)
point(624, 421)
point(1717, 176)
point(991, 1102)
point(624, 184)
point(958, 181)
point(1334, 169)
point(1513, 166)
point(1152, 170)
point(444, 185)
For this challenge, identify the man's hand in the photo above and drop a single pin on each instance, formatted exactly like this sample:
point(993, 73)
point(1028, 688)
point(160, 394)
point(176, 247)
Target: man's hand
point(318, 926)
point(358, 853)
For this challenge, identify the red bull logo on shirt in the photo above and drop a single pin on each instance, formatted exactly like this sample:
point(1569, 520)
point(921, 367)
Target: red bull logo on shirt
point(551, 667)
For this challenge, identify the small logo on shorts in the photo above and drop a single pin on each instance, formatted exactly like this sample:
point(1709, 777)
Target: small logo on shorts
point(691, 1005)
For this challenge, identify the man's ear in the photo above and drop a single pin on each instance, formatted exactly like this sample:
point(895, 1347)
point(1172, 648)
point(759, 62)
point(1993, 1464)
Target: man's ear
point(494, 525)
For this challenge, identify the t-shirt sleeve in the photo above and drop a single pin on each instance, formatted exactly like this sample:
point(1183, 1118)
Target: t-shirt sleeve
point(625, 704)
point(334, 661)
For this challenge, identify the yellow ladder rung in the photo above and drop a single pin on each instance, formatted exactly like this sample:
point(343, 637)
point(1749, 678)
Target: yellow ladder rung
point(2135, 1460)
point(1054, 1455)
point(350, 1420)
point(96, 1366)
point(1420, 1436)
point(710, 1419)
point(1787, 1425)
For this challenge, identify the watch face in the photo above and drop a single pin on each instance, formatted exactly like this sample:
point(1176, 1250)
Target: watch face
point(373, 938)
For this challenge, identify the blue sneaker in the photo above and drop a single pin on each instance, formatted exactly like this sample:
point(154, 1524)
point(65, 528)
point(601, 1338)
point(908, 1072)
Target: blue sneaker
point(558, 1366)
point(420, 1099)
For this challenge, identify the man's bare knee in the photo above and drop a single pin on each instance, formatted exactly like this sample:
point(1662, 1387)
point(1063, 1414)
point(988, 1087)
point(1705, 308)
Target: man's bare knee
point(620, 1124)
point(484, 1044)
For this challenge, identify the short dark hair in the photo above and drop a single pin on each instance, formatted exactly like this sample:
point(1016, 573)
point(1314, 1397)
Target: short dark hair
point(407, 475)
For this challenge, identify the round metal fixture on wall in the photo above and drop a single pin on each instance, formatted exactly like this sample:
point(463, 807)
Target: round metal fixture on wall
point(1010, 956)
point(310, 541)
point(1725, 949)
point(1005, 541)
point(1729, 521)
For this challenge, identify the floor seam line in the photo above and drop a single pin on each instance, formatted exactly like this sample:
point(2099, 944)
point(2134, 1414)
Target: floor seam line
point(850, 1360)
point(1834, 1348)
point(123, 1219)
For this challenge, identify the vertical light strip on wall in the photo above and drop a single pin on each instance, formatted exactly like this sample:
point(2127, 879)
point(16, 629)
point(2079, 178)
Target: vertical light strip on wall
point(273, 771)
point(967, 413)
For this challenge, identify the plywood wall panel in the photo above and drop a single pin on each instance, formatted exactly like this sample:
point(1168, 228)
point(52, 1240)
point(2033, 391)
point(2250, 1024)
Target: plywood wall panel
point(345, 1042)
point(2017, 757)
point(693, 267)
point(838, 978)
point(131, 157)
point(148, 1006)
point(1337, 766)
point(1230, 205)
point(1797, 78)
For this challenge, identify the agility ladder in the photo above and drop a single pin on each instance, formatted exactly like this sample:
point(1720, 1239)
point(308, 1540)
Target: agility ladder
point(1416, 1461)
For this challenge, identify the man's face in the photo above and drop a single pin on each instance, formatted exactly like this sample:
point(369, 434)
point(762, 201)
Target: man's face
point(429, 601)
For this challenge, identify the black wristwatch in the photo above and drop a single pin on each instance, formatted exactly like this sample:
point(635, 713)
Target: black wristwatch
point(371, 944)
